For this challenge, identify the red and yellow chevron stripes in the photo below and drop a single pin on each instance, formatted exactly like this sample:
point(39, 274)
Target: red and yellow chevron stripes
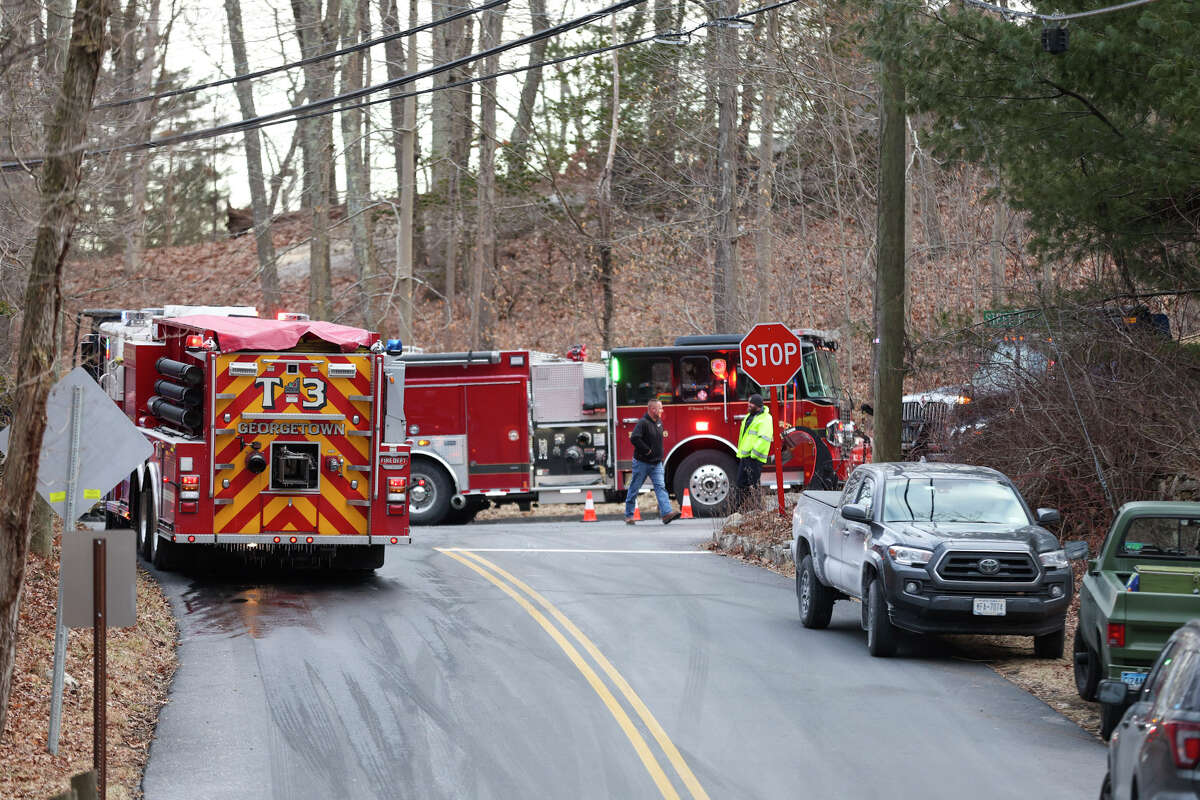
point(292, 398)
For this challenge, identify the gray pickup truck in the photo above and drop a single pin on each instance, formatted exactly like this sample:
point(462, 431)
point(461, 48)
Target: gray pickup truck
point(932, 548)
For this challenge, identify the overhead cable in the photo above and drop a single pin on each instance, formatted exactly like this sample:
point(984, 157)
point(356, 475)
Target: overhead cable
point(330, 105)
point(249, 76)
point(1014, 13)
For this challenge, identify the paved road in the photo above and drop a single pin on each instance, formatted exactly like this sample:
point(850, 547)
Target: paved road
point(568, 661)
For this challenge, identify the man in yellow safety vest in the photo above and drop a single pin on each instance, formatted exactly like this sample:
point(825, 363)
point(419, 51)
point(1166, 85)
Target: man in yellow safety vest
point(754, 445)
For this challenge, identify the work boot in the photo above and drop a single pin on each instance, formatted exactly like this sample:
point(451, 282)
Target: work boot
point(630, 521)
point(667, 519)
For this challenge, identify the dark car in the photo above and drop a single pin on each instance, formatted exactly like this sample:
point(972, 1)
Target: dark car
point(1154, 751)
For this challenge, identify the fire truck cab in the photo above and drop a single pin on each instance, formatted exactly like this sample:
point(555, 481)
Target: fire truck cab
point(705, 398)
point(274, 437)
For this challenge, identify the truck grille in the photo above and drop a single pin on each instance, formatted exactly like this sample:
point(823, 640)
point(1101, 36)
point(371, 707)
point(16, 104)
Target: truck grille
point(933, 411)
point(965, 565)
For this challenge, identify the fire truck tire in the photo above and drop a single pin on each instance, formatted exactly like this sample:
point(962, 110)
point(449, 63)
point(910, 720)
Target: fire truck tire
point(429, 491)
point(143, 524)
point(161, 551)
point(708, 475)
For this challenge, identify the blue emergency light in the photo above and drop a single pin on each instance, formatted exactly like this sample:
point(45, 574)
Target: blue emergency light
point(394, 347)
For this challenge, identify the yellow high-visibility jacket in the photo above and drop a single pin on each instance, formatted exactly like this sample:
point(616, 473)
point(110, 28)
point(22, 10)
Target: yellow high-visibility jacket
point(754, 441)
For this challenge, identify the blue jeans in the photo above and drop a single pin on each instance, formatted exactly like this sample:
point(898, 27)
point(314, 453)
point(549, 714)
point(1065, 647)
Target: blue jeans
point(642, 470)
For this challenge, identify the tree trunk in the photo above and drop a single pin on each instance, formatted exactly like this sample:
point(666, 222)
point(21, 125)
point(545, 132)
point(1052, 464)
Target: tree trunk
point(318, 34)
point(764, 243)
point(519, 138)
point(606, 203)
point(996, 252)
point(889, 266)
point(42, 306)
point(142, 127)
point(259, 208)
point(725, 261)
point(356, 169)
point(485, 227)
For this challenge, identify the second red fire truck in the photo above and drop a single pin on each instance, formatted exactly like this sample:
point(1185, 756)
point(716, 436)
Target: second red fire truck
point(516, 426)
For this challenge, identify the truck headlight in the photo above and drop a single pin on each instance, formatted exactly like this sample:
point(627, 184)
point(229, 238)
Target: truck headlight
point(909, 556)
point(1054, 559)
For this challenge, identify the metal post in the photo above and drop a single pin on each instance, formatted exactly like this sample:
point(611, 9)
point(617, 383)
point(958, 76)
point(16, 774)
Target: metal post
point(60, 632)
point(777, 446)
point(99, 665)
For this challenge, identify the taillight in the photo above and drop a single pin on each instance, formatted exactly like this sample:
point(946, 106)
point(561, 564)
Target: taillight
point(1116, 634)
point(1185, 743)
point(395, 490)
point(189, 486)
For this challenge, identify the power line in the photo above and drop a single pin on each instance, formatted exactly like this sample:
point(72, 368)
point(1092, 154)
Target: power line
point(1009, 12)
point(305, 61)
point(329, 105)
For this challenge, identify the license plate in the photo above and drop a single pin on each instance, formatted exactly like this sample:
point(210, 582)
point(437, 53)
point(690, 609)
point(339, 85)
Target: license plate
point(991, 607)
point(1134, 680)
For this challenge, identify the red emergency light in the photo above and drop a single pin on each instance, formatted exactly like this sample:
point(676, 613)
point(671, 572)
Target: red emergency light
point(195, 341)
point(701, 426)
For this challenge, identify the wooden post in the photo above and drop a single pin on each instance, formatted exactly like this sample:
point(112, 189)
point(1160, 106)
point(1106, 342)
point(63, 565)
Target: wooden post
point(99, 664)
point(777, 448)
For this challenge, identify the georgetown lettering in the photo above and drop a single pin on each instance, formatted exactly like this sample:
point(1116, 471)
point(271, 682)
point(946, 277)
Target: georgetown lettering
point(293, 428)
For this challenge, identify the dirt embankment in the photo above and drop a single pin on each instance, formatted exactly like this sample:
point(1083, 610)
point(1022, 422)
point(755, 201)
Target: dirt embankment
point(141, 661)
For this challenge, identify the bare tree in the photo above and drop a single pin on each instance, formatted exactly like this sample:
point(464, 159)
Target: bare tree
point(357, 187)
point(42, 309)
point(316, 33)
point(725, 233)
point(519, 138)
point(605, 244)
point(260, 209)
point(485, 229)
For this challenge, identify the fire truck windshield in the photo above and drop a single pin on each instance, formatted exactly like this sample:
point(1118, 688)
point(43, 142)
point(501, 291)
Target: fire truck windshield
point(820, 374)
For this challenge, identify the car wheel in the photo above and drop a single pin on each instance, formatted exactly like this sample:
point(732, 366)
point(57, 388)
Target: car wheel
point(428, 493)
point(1106, 787)
point(814, 598)
point(1049, 645)
point(881, 634)
point(708, 476)
point(1110, 715)
point(1087, 668)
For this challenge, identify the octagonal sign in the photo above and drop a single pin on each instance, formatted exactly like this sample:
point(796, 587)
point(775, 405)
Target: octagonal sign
point(771, 354)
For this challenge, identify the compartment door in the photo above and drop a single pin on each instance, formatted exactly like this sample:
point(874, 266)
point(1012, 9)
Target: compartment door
point(498, 436)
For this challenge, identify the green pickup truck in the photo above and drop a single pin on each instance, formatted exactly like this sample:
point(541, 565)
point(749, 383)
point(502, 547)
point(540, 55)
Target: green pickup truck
point(1144, 585)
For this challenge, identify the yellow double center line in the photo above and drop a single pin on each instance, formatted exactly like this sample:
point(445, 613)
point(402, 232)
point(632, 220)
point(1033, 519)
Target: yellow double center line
point(490, 571)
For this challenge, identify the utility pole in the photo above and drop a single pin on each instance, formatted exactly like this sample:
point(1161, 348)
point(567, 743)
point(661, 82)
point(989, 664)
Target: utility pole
point(889, 252)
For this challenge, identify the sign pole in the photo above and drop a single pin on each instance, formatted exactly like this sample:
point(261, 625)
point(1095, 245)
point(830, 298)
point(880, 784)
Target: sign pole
point(60, 630)
point(777, 446)
point(99, 665)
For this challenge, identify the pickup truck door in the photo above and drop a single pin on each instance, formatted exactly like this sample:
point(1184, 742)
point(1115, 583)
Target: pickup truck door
point(835, 564)
point(854, 539)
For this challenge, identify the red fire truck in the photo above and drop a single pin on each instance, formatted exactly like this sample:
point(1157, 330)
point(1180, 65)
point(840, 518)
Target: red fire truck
point(277, 438)
point(515, 426)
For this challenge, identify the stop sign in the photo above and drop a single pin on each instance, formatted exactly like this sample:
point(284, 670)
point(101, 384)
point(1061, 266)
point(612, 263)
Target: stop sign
point(770, 354)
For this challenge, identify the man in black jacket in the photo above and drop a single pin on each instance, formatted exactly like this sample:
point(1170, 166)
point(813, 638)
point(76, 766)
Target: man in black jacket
point(647, 438)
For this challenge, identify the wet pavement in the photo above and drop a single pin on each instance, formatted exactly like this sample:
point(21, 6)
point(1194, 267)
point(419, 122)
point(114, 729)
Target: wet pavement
point(557, 660)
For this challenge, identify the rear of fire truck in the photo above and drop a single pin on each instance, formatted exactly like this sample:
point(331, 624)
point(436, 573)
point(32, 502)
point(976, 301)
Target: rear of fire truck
point(271, 437)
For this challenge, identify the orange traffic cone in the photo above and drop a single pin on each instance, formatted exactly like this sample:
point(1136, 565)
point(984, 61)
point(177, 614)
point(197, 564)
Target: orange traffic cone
point(637, 514)
point(685, 510)
point(589, 509)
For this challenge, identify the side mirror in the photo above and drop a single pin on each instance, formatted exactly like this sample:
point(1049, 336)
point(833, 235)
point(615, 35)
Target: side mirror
point(855, 513)
point(1113, 693)
point(1075, 551)
point(1048, 516)
point(867, 409)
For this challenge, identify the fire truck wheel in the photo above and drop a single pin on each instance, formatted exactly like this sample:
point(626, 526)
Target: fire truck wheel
point(708, 476)
point(144, 524)
point(429, 493)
